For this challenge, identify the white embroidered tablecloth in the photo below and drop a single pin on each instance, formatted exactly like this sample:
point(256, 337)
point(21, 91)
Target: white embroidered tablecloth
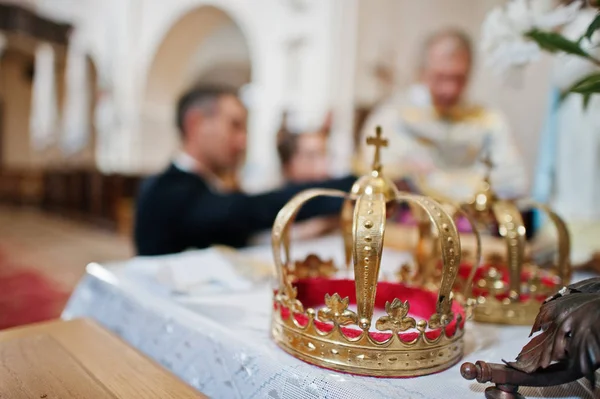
point(212, 331)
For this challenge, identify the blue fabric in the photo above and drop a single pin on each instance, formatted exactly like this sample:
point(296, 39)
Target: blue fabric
point(544, 174)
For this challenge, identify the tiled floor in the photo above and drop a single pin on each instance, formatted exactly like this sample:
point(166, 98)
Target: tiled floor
point(58, 248)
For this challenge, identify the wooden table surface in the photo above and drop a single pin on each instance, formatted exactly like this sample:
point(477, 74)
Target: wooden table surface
point(79, 359)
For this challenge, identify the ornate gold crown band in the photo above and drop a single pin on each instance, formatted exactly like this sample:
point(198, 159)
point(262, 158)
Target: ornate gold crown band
point(340, 338)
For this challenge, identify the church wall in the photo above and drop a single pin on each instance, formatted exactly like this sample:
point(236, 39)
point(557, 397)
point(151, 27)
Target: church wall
point(85, 158)
point(525, 105)
point(223, 57)
point(123, 38)
point(343, 53)
point(52, 157)
point(391, 33)
point(101, 30)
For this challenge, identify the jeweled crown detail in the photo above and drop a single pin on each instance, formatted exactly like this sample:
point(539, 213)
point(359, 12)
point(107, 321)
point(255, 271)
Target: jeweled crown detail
point(397, 344)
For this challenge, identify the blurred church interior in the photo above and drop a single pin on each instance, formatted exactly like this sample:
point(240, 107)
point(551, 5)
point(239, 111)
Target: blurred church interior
point(88, 89)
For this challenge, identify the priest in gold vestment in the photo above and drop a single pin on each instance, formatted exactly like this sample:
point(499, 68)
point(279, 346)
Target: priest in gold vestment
point(437, 139)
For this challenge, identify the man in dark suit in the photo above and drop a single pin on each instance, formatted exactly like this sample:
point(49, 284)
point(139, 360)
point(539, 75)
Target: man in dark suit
point(188, 206)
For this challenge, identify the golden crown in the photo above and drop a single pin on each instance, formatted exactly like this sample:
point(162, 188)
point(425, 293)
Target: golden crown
point(335, 336)
point(509, 288)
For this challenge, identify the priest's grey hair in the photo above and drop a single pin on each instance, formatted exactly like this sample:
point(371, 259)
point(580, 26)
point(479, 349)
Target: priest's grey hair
point(456, 37)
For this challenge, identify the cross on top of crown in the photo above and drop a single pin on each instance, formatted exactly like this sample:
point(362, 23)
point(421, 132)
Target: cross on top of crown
point(377, 141)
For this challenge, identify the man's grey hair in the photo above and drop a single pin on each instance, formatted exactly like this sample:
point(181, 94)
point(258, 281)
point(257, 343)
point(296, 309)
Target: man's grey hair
point(459, 37)
point(204, 98)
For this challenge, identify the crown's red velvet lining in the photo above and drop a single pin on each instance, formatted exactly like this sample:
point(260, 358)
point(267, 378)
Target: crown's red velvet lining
point(547, 281)
point(311, 292)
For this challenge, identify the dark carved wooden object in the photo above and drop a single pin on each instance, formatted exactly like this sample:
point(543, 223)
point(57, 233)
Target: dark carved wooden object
point(567, 349)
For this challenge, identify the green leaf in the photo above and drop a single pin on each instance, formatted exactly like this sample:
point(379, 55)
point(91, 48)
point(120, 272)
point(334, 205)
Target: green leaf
point(555, 42)
point(586, 100)
point(563, 96)
point(584, 97)
point(594, 26)
point(589, 84)
point(587, 87)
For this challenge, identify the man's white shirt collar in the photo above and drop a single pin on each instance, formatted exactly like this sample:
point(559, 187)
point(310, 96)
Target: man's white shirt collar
point(186, 163)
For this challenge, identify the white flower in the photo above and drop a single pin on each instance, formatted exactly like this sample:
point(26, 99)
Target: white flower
point(558, 17)
point(520, 15)
point(514, 53)
point(544, 6)
point(503, 43)
point(496, 30)
point(503, 33)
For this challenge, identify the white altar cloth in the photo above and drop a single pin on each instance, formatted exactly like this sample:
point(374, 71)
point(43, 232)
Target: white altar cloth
point(217, 339)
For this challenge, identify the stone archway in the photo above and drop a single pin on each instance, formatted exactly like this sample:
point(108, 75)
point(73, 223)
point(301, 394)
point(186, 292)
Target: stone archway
point(204, 46)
